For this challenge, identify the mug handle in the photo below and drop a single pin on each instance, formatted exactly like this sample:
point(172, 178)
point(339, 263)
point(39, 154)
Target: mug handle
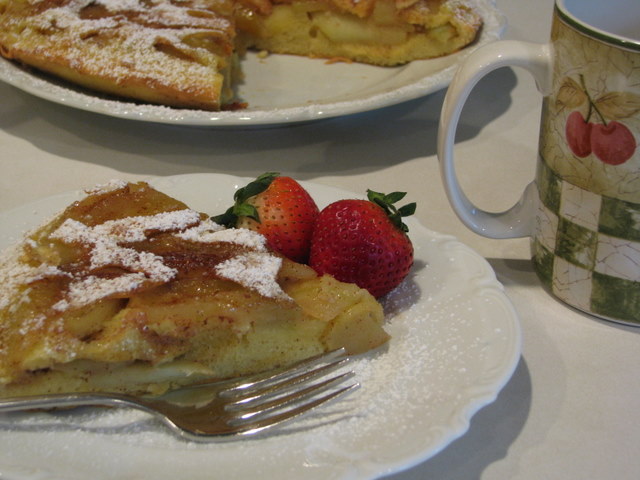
point(535, 58)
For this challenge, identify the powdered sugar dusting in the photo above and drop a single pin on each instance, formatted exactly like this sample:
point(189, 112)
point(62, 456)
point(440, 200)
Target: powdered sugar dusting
point(158, 43)
point(91, 289)
point(134, 229)
point(13, 274)
point(210, 232)
point(465, 12)
point(106, 187)
point(106, 250)
point(203, 232)
point(244, 237)
point(255, 270)
point(110, 243)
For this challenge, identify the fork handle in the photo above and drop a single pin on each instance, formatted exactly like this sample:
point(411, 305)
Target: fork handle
point(66, 400)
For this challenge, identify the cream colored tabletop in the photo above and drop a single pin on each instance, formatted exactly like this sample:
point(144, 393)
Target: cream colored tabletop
point(570, 411)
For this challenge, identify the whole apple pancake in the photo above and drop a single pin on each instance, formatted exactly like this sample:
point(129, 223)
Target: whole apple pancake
point(186, 53)
point(128, 290)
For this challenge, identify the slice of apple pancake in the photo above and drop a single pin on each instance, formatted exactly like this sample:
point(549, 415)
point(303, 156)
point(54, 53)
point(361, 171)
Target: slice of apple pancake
point(128, 290)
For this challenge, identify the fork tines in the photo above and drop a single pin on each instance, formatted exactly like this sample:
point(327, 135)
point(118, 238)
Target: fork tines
point(262, 401)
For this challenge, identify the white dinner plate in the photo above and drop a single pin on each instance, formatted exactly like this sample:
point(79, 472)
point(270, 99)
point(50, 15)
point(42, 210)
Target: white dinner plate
point(455, 343)
point(281, 89)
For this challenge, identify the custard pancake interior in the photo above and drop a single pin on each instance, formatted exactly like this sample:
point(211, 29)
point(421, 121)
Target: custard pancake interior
point(378, 32)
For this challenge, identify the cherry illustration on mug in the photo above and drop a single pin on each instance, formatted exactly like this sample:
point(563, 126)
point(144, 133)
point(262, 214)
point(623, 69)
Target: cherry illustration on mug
point(578, 133)
point(605, 137)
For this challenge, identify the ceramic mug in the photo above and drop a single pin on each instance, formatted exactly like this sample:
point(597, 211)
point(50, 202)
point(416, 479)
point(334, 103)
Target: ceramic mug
point(583, 210)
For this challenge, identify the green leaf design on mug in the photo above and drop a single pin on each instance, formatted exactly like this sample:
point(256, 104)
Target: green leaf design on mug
point(570, 95)
point(608, 106)
point(618, 105)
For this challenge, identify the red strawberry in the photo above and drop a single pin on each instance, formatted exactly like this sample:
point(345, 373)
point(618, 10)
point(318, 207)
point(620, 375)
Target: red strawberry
point(280, 209)
point(364, 242)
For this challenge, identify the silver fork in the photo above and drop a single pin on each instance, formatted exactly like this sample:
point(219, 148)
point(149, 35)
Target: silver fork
point(223, 409)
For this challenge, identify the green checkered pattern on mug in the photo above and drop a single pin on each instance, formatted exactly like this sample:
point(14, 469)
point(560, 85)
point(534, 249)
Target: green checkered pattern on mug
point(586, 248)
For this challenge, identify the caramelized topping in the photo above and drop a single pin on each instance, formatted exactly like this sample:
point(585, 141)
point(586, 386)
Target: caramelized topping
point(112, 258)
